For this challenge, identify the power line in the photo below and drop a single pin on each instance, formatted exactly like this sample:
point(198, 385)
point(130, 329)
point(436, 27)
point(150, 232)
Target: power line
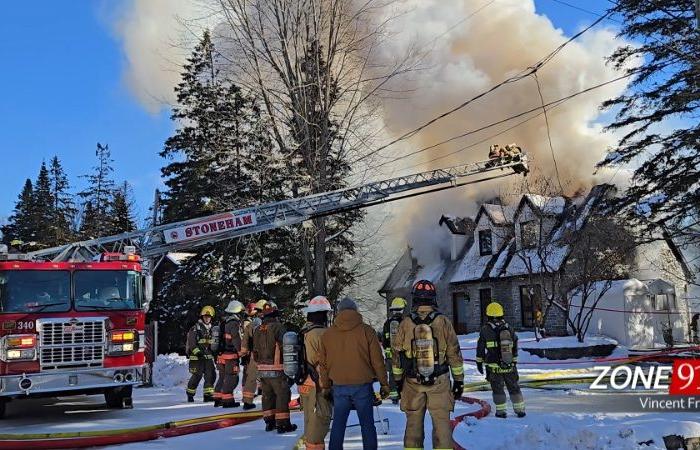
point(515, 116)
point(549, 136)
point(523, 74)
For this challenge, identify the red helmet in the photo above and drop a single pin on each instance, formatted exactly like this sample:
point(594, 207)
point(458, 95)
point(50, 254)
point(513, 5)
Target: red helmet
point(424, 293)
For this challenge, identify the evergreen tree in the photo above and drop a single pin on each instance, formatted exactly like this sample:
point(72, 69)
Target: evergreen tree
point(665, 90)
point(122, 214)
point(20, 226)
point(63, 205)
point(98, 196)
point(42, 208)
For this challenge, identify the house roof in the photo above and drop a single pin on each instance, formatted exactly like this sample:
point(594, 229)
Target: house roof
point(457, 225)
point(548, 206)
point(498, 214)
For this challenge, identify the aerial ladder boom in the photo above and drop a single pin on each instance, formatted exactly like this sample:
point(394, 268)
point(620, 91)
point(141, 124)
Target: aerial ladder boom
point(177, 236)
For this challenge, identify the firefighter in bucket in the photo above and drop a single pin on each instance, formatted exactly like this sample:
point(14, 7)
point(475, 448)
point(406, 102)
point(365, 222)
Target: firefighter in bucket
point(425, 352)
point(498, 348)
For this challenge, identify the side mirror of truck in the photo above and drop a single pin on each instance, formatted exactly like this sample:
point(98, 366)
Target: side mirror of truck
point(147, 292)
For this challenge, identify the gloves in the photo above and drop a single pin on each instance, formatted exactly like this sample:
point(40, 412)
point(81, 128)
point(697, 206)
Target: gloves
point(384, 392)
point(480, 367)
point(458, 389)
point(399, 386)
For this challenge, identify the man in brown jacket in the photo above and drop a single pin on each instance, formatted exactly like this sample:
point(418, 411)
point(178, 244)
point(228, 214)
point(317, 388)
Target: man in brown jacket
point(351, 360)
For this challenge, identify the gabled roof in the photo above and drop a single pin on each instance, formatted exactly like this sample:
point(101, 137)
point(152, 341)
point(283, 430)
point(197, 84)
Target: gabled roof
point(545, 206)
point(498, 214)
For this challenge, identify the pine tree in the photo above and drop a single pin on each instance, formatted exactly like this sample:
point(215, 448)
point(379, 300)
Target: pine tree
point(63, 209)
point(122, 214)
point(42, 208)
point(97, 197)
point(20, 226)
point(659, 114)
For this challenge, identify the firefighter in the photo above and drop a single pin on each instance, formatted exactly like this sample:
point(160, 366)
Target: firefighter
point(200, 340)
point(498, 348)
point(391, 326)
point(267, 353)
point(250, 371)
point(227, 360)
point(425, 352)
point(317, 407)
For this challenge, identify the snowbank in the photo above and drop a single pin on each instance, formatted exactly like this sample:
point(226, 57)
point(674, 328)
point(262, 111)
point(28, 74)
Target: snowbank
point(582, 432)
point(170, 371)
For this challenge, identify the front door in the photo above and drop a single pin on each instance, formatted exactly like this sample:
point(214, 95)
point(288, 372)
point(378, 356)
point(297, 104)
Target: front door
point(459, 312)
point(484, 300)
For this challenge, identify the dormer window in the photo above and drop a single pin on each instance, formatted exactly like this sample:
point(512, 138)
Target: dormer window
point(485, 243)
point(529, 234)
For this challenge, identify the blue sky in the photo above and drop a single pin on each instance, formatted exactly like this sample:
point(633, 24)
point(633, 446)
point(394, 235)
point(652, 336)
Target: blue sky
point(63, 91)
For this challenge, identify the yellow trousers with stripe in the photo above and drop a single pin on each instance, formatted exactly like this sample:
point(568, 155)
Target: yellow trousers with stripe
point(438, 401)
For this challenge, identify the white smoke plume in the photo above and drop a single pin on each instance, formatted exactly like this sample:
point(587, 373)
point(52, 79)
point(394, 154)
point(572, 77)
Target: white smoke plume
point(157, 36)
point(499, 41)
point(464, 56)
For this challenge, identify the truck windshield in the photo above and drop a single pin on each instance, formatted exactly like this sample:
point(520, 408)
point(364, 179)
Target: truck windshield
point(30, 291)
point(107, 289)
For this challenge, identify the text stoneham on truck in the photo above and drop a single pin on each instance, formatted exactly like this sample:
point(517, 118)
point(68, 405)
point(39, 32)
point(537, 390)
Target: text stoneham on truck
point(210, 227)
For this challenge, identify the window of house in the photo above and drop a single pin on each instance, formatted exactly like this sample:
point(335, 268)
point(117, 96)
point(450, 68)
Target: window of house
point(529, 233)
point(530, 304)
point(485, 242)
point(484, 300)
point(665, 302)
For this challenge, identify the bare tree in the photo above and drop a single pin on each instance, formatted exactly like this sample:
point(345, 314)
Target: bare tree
point(314, 65)
point(601, 250)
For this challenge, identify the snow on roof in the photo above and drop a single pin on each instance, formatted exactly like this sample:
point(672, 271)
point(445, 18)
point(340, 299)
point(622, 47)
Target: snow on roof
point(547, 205)
point(431, 272)
point(499, 214)
point(179, 258)
point(472, 266)
point(543, 260)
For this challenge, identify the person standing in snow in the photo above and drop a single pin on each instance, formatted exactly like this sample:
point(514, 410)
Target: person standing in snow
point(391, 326)
point(199, 348)
point(250, 370)
point(227, 360)
point(351, 360)
point(498, 348)
point(267, 352)
point(426, 351)
point(317, 408)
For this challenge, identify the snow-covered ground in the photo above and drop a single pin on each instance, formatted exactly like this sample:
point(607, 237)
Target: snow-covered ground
point(562, 418)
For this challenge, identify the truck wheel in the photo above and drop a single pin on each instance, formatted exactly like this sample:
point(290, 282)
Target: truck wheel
point(118, 397)
point(3, 408)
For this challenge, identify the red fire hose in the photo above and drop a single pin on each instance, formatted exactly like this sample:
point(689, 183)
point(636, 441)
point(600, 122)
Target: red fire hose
point(483, 411)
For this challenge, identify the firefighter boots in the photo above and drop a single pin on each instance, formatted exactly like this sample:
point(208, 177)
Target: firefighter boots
point(520, 414)
point(501, 414)
point(270, 423)
point(217, 403)
point(285, 426)
point(190, 398)
point(208, 398)
point(247, 406)
point(230, 404)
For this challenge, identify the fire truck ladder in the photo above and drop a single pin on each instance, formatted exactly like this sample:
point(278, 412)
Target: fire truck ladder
point(159, 240)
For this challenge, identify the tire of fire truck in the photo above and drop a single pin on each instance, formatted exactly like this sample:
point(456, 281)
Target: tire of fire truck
point(119, 397)
point(3, 408)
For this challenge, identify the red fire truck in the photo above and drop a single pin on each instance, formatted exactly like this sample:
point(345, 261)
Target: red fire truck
point(72, 327)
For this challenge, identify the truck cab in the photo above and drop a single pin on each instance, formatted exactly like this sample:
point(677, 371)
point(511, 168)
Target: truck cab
point(72, 327)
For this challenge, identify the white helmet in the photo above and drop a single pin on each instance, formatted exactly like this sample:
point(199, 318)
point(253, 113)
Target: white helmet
point(318, 304)
point(234, 307)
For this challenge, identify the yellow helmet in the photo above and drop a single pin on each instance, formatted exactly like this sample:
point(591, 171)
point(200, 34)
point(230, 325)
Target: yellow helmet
point(398, 303)
point(494, 309)
point(260, 304)
point(207, 311)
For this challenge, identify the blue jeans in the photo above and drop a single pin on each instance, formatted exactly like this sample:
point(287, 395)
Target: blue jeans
point(345, 397)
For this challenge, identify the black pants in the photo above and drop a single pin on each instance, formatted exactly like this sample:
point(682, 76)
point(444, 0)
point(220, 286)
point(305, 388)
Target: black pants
point(227, 368)
point(202, 368)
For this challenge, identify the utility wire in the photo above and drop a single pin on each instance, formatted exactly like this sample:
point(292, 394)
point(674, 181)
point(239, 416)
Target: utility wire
point(549, 136)
point(523, 74)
